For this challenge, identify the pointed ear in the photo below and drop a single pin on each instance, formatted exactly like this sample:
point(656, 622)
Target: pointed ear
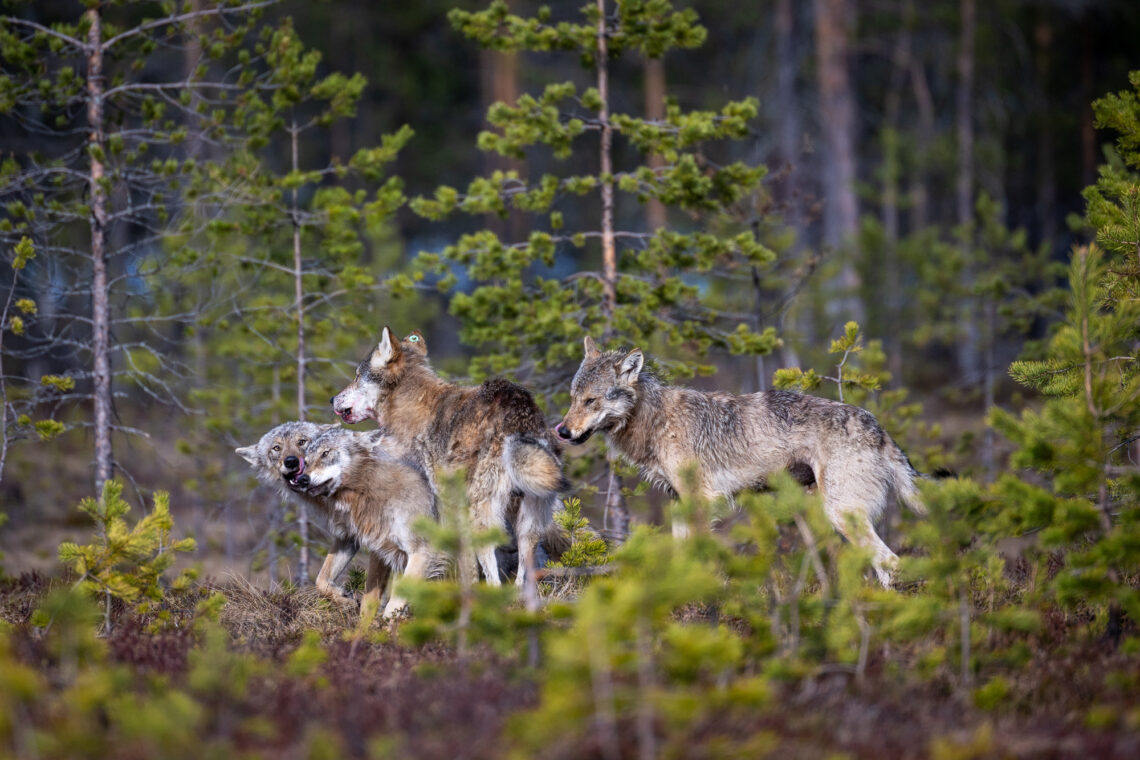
point(591, 347)
point(248, 453)
point(630, 366)
point(386, 351)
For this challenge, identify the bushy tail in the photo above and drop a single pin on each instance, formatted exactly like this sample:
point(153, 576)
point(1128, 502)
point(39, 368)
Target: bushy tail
point(533, 468)
point(903, 477)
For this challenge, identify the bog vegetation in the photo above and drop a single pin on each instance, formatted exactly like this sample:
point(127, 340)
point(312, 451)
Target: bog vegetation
point(157, 246)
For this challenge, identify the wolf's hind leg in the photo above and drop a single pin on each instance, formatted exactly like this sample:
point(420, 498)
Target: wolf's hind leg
point(416, 568)
point(376, 584)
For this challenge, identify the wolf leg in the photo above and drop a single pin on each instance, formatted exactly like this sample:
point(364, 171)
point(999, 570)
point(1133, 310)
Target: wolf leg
point(851, 506)
point(342, 553)
point(416, 568)
point(376, 585)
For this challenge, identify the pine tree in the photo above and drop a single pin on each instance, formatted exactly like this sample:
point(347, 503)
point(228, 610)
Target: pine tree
point(95, 195)
point(588, 267)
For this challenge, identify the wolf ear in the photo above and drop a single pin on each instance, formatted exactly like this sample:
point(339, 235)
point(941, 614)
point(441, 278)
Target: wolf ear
point(248, 453)
point(591, 347)
point(630, 367)
point(386, 351)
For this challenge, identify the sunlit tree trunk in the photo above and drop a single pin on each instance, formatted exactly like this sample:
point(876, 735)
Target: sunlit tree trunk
point(655, 215)
point(500, 84)
point(299, 306)
point(833, 23)
point(617, 513)
point(100, 291)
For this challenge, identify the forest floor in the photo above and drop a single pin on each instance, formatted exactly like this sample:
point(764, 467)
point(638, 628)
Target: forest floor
point(374, 697)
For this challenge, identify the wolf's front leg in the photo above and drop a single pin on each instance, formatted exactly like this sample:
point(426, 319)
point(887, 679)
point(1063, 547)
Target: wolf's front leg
point(344, 549)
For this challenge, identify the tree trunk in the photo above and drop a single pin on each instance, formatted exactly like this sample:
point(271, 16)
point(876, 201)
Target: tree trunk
point(655, 213)
point(833, 24)
point(1047, 166)
point(609, 254)
point(500, 84)
point(924, 140)
point(299, 304)
point(968, 346)
point(892, 170)
point(100, 288)
point(616, 508)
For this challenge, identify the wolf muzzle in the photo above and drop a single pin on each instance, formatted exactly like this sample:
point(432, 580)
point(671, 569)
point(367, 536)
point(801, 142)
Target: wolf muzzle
point(565, 434)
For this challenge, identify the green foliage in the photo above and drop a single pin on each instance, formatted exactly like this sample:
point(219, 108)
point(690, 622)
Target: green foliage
point(516, 304)
point(126, 561)
point(587, 548)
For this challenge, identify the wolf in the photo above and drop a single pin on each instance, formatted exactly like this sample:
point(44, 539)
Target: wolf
point(737, 442)
point(277, 459)
point(495, 431)
point(380, 496)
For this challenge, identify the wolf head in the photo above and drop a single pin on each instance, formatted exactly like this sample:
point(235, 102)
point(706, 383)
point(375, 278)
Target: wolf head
point(281, 452)
point(377, 375)
point(329, 457)
point(602, 394)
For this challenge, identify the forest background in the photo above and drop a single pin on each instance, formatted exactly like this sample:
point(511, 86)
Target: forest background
point(210, 209)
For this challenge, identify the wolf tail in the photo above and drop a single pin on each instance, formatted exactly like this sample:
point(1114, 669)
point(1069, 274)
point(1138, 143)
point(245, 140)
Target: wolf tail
point(533, 468)
point(903, 477)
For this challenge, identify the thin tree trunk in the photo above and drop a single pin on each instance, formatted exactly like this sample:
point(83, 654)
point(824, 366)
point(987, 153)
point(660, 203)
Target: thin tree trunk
point(1047, 166)
point(615, 504)
point(968, 346)
point(924, 140)
point(100, 295)
point(1088, 128)
point(655, 213)
point(833, 24)
point(299, 303)
point(892, 164)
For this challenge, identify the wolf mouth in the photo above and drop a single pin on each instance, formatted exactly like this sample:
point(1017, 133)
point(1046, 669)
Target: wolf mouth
point(582, 438)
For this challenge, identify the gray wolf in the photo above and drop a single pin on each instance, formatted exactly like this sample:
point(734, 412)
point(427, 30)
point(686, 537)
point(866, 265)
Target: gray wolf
point(736, 442)
point(277, 459)
point(494, 431)
point(380, 496)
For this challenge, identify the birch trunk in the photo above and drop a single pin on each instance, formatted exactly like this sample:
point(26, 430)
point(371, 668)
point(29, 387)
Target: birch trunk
point(299, 305)
point(100, 295)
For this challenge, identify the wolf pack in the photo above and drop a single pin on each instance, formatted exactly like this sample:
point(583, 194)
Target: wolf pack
point(375, 487)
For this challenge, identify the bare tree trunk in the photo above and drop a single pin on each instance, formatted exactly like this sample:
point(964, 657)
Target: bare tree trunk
point(609, 253)
point(924, 140)
point(833, 24)
point(100, 288)
point(1088, 130)
point(968, 346)
point(299, 304)
point(655, 212)
point(615, 504)
point(892, 164)
point(1047, 166)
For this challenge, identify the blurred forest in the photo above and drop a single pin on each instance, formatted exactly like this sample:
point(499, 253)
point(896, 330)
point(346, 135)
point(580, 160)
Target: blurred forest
point(209, 209)
point(925, 167)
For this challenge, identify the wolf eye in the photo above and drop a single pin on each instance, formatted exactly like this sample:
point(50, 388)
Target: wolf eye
point(324, 453)
point(591, 401)
point(414, 338)
point(276, 448)
point(302, 442)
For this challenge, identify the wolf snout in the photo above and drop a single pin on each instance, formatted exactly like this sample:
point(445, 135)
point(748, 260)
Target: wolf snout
point(561, 431)
point(292, 464)
point(302, 481)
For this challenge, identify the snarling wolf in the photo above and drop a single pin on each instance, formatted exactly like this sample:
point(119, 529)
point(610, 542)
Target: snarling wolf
point(278, 458)
point(737, 442)
point(380, 496)
point(494, 431)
